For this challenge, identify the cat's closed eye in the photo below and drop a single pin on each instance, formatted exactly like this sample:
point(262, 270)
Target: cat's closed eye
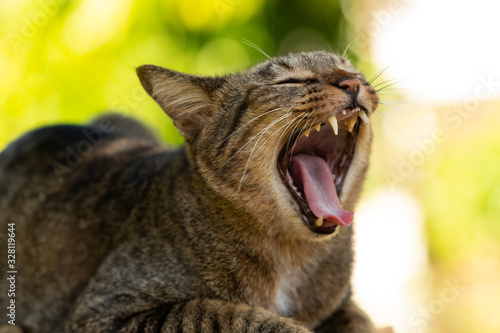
point(294, 80)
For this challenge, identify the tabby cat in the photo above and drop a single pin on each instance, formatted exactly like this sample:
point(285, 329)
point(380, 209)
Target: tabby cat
point(246, 228)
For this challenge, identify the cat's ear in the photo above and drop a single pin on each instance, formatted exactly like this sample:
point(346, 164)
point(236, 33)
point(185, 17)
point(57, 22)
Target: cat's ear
point(186, 99)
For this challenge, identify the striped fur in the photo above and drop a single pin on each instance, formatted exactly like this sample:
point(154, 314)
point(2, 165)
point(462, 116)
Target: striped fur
point(136, 237)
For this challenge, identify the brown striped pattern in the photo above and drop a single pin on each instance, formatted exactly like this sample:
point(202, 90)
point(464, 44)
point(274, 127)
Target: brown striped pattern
point(118, 233)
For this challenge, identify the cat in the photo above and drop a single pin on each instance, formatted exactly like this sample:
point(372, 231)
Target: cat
point(246, 228)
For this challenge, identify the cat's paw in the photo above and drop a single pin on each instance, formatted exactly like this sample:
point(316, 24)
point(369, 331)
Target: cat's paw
point(349, 318)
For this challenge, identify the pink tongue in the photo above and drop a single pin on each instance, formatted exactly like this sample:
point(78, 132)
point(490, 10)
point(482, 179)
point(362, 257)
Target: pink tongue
point(313, 175)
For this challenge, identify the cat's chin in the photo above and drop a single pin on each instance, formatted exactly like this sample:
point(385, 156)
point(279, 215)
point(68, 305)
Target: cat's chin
point(314, 166)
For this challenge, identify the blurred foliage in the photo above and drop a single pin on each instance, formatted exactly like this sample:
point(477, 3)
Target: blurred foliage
point(462, 199)
point(65, 61)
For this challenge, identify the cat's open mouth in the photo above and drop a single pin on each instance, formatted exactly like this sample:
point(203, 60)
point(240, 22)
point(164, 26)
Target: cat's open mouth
point(314, 168)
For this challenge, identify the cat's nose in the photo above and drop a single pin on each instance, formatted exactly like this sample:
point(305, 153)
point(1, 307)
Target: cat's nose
point(349, 83)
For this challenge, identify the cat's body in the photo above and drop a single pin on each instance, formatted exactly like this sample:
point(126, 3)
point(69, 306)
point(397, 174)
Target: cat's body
point(135, 237)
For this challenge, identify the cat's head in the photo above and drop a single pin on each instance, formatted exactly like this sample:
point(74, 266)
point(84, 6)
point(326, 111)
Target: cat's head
point(287, 140)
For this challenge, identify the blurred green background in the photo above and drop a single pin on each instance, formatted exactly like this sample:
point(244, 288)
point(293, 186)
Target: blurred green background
point(67, 61)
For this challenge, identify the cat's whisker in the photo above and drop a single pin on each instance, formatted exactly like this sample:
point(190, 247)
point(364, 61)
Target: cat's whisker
point(270, 136)
point(255, 118)
point(349, 44)
point(387, 85)
point(285, 132)
point(243, 178)
point(313, 120)
point(398, 101)
point(385, 82)
point(254, 46)
point(376, 76)
point(304, 129)
point(295, 127)
point(261, 133)
point(393, 105)
point(386, 120)
point(399, 91)
point(402, 95)
point(404, 113)
point(248, 142)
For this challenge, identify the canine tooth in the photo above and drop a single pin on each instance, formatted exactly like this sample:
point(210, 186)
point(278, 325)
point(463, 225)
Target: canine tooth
point(364, 117)
point(344, 112)
point(306, 133)
point(317, 127)
point(319, 221)
point(350, 123)
point(335, 125)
